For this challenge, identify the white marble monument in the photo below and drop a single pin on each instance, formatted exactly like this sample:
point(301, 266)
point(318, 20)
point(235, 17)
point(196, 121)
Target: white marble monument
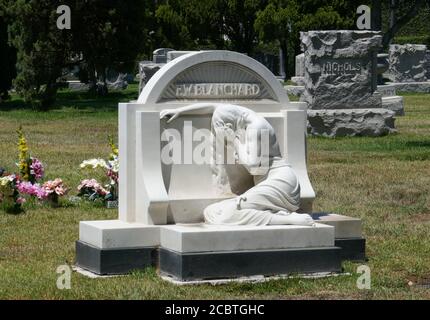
point(195, 217)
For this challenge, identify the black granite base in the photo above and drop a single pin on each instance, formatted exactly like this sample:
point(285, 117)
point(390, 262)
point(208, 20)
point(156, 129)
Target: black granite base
point(217, 265)
point(353, 249)
point(233, 264)
point(114, 261)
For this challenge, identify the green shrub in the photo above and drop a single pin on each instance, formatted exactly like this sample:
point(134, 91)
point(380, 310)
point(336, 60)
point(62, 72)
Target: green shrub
point(413, 40)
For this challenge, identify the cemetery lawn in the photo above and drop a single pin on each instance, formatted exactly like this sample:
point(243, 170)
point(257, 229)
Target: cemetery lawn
point(385, 181)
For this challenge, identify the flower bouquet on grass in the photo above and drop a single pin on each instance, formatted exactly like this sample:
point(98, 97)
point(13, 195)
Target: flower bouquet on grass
point(10, 198)
point(54, 190)
point(107, 190)
point(16, 189)
point(91, 190)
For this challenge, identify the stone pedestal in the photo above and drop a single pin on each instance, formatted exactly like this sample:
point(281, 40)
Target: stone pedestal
point(408, 63)
point(395, 104)
point(319, 120)
point(348, 234)
point(299, 81)
point(390, 99)
point(192, 252)
point(296, 91)
point(412, 87)
point(347, 122)
point(116, 247)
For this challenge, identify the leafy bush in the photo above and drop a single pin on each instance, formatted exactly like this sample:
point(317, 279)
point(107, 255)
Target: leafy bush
point(413, 40)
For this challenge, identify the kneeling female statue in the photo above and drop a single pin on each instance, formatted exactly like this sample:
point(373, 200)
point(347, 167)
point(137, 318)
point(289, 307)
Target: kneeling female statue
point(275, 196)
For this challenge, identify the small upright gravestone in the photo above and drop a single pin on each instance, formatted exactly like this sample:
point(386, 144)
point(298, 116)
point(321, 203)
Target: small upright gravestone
point(341, 84)
point(300, 70)
point(160, 55)
point(300, 65)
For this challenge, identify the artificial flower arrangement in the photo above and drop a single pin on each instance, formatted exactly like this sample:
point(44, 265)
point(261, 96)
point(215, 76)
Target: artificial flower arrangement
point(10, 198)
point(16, 189)
point(93, 190)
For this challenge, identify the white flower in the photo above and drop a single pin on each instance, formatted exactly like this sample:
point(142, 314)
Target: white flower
point(114, 164)
point(4, 181)
point(94, 164)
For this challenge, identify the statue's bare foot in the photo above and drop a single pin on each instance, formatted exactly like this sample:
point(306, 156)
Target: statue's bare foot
point(298, 219)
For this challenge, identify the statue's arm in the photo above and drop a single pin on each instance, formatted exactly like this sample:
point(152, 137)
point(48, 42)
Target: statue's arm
point(193, 109)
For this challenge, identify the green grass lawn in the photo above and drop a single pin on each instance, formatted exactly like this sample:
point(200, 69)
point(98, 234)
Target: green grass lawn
point(385, 181)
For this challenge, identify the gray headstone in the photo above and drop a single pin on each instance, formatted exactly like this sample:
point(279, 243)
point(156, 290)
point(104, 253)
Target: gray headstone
point(408, 63)
point(300, 65)
point(160, 55)
point(146, 70)
point(341, 69)
point(172, 55)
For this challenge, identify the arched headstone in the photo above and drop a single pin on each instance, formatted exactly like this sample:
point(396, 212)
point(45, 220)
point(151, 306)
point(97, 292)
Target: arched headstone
point(153, 193)
point(159, 203)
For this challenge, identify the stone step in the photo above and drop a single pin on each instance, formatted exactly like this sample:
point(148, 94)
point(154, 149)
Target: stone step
point(205, 238)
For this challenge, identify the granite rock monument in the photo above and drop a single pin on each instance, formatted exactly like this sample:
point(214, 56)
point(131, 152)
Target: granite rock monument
point(340, 79)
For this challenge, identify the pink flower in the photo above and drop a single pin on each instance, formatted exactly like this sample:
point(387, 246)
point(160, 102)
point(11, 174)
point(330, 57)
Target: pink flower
point(20, 200)
point(60, 191)
point(93, 185)
point(36, 169)
point(55, 186)
point(33, 190)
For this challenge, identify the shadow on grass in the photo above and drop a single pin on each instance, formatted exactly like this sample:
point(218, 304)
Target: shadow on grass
point(14, 104)
point(78, 100)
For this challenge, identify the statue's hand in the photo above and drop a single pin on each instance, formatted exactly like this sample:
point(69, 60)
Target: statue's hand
point(172, 114)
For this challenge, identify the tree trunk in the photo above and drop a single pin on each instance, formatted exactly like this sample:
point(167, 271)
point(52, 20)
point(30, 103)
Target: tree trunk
point(393, 6)
point(398, 23)
point(376, 15)
point(48, 96)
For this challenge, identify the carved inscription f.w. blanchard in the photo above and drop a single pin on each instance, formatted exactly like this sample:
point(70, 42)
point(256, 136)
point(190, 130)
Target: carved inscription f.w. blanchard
point(217, 90)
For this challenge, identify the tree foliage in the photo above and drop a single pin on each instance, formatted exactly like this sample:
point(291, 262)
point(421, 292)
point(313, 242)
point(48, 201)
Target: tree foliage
point(221, 24)
point(114, 33)
point(42, 49)
point(7, 60)
point(282, 21)
point(401, 13)
point(107, 34)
